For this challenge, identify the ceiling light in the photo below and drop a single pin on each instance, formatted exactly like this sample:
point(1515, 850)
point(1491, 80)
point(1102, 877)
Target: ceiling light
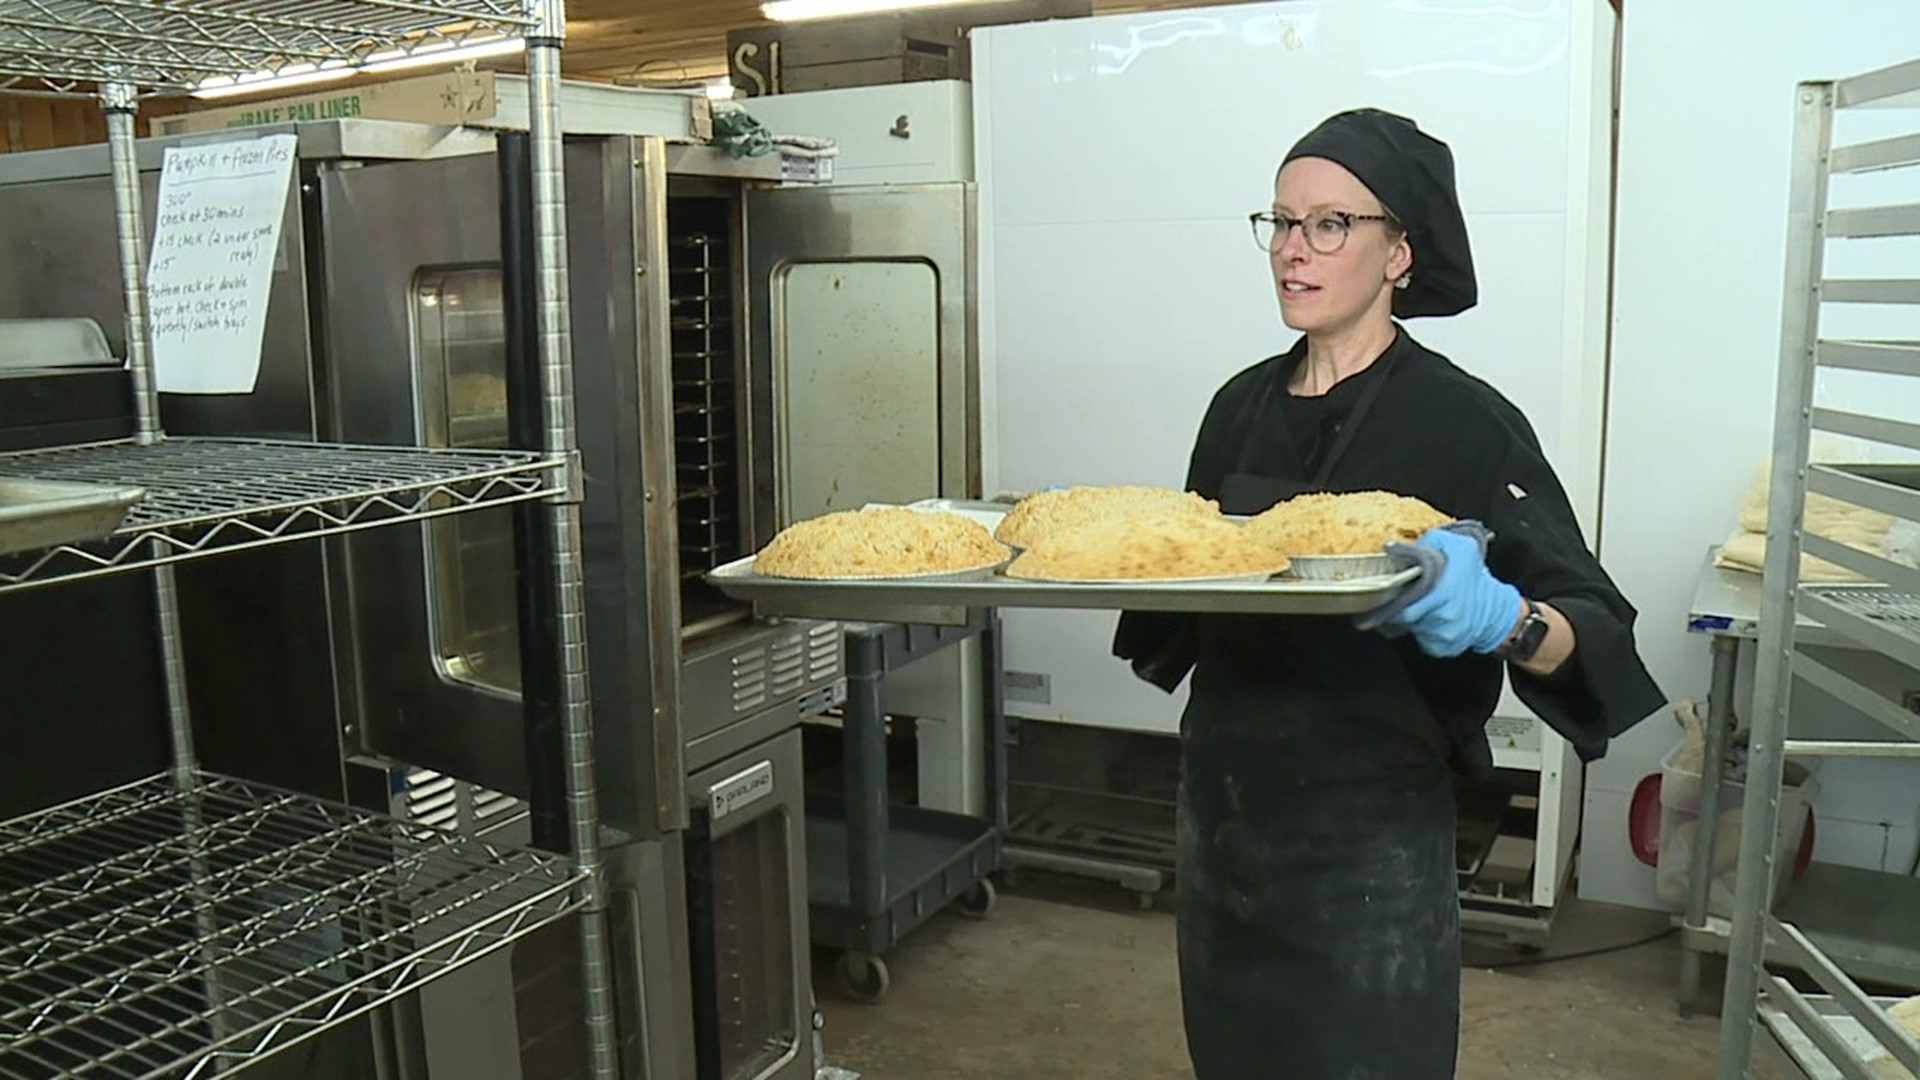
point(222, 86)
point(428, 55)
point(334, 70)
point(720, 89)
point(795, 10)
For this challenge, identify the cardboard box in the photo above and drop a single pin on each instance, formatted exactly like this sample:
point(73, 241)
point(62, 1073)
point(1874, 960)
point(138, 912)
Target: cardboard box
point(482, 99)
point(452, 97)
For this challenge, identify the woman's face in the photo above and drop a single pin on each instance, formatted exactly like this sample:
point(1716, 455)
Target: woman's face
point(1329, 292)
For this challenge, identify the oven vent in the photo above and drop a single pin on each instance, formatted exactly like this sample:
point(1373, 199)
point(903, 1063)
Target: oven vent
point(789, 665)
point(488, 805)
point(436, 799)
point(432, 799)
point(823, 653)
point(749, 681)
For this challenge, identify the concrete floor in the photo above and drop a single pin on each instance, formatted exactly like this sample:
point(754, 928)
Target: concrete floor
point(1069, 980)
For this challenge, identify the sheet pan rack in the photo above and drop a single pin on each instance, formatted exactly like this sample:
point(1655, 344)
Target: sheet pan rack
point(1838, 1030)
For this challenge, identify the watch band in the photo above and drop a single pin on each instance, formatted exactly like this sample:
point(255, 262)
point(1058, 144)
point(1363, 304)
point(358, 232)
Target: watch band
point(1527, 638)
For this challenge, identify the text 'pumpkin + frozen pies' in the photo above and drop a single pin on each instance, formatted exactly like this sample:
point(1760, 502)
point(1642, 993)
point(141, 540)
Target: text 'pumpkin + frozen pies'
point(1151, 547)
point(1357, 523)
point(1046, 513)
point(878, 543)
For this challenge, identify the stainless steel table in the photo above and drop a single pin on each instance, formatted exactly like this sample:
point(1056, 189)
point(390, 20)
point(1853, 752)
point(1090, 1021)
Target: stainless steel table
point(1726, 608)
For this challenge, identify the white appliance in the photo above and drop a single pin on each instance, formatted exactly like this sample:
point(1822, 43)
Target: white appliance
point(898, 133)
point(1117, 158)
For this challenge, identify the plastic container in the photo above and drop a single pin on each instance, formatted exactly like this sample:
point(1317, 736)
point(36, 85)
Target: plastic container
point(1680, 790)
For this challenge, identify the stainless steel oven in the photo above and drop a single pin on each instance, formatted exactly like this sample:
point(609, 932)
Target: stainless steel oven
point(419, 328)
point(398, 315)
point(416, 335)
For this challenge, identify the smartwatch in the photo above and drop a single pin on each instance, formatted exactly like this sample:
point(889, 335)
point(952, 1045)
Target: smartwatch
point(1526, 640)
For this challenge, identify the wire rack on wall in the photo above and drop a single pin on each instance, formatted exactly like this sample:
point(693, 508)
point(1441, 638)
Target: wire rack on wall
point(154, 930)
point(64, 46)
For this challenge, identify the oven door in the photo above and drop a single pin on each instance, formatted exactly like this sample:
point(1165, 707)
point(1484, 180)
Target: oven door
point(865, 326)
point(418, 318)
point(747, 916)
point(416, 351)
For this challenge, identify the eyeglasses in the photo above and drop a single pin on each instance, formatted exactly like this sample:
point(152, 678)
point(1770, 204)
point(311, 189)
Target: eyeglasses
point(1326, 230)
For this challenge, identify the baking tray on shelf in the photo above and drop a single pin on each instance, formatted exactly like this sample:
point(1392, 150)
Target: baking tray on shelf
point(38, 513)
point(1278, 595)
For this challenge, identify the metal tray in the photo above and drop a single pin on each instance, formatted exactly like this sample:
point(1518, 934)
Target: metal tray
point(853, 599)
point(1273, 596)
point(36, 514)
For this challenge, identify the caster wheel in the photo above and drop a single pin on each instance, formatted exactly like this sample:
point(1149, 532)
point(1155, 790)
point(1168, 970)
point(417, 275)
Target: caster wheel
point(977, 902)
point(864, 977)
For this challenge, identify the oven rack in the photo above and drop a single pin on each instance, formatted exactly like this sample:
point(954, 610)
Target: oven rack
point(205, 496)
point(67, 46)
point(1887, 621)
point(187, 931)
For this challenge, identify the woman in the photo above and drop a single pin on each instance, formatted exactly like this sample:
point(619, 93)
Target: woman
point(1319, 915)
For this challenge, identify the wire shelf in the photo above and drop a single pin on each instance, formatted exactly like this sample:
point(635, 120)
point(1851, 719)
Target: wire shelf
point(151, 931)
point(66, 45)
point(207, 496)
point(1898, 611)
point(1896, 615)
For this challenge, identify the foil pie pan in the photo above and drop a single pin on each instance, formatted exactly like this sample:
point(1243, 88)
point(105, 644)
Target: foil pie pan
point(1346, 567)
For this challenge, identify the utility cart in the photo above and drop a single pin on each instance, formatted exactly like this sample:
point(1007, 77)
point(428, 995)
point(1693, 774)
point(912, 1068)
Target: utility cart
point(876, 869)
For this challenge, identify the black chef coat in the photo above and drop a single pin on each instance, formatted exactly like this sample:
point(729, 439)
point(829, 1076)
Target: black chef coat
point(1433, 431)
point(1319, 920)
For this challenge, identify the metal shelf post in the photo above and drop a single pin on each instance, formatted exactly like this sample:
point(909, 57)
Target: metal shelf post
point(556, 370)
point(1760, 813)
point(118, 102)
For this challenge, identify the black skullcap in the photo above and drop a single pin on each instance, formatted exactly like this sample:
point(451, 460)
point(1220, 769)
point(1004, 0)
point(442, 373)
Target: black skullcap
point(1411, 173)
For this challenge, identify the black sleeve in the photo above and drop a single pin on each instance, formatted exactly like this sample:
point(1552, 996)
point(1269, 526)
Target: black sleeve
point(1162, 645)
point(1603, 688)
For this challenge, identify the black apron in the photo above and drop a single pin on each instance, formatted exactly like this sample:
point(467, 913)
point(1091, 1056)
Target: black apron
point(1319, 930)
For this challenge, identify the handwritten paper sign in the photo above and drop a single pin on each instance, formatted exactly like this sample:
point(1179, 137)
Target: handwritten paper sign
point(212, 262)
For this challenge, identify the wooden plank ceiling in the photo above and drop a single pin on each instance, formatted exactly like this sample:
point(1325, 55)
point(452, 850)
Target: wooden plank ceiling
point(640, 42)
point(675, 41)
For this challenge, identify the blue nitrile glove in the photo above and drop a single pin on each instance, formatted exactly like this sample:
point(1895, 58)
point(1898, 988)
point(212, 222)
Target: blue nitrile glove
point(1457, 605)
point(1431, 561)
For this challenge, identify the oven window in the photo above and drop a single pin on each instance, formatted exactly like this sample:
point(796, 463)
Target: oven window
point(460, 366)
point(753, 947)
